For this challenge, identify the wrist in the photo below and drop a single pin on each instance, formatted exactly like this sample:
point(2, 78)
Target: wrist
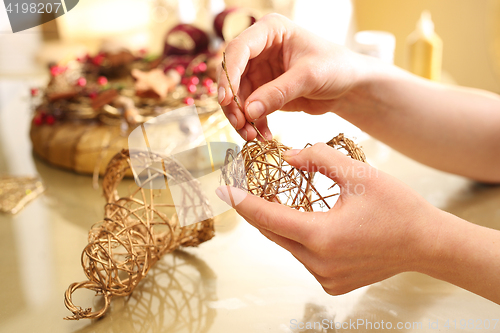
point(421, 244)
point(435, 245)
point(464, 254)
point(372, 96)
point(365, 95)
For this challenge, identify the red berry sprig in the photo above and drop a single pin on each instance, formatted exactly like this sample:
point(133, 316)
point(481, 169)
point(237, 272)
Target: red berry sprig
point(50, 119)
point(57, 70)
point(194, 80)
point(102, 80)
point(189, 100)
point(98, 59)
point(81, 82)
point(193, 85)
point(200, 68)
point(208, 82)
point(180, 69)
point(212, 90)
point(41, 118)
point(191, 88)
point(38, 119)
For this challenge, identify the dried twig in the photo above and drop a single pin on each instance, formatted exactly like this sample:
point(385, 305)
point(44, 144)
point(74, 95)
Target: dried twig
point(235, 97)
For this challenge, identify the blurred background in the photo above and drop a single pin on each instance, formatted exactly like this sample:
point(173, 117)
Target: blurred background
point(470, 29)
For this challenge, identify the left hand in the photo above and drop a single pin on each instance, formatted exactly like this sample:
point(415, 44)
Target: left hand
point(379, 227)
point(276, 64)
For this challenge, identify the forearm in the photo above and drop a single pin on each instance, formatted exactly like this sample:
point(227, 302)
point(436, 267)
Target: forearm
point(464, 254)
point(450, 128)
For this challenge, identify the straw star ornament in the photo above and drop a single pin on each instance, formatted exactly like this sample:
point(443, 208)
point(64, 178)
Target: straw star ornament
point(154, 81)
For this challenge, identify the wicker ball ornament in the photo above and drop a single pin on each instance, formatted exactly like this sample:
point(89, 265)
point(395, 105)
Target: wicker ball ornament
point(261, 170)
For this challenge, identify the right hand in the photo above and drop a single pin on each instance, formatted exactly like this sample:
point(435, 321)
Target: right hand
point(378, 227)
point(276, 64)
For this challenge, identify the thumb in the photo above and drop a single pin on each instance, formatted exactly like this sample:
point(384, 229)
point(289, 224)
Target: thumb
point(331, 163)
point(275, 94)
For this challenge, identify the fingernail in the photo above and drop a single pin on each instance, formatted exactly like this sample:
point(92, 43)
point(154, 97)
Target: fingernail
point(222, 94)
point(232, 119)
point(243, 133)
point(291, 152)
point(255, 110)
point(231, 195)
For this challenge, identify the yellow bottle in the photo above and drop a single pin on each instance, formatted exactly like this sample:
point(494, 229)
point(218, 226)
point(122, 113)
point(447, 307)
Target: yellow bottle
point(425, 49)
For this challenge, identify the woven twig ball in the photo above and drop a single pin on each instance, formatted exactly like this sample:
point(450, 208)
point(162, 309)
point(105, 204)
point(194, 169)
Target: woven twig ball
point(261, 170)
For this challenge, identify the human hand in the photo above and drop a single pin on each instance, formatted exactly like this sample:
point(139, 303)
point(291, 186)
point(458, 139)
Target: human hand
point(276, 64)
point(378, 227)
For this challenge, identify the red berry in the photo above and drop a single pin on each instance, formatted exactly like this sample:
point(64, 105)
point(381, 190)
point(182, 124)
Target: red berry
point(191, 88)
point(50, 120)
point(208, 82)
point(185, 81)
point(93, 95)
point(202, 67)
point(194, 80)
point(55, 70)
point(82, 82)
point(38, 119)
point(212, 90)
point(98, 60)
point(189, 100)
point(102, 81)
point(34, 91)
point(180, 69)
point(143, 51)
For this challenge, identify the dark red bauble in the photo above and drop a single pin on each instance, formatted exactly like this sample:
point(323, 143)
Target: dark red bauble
point(185, 39)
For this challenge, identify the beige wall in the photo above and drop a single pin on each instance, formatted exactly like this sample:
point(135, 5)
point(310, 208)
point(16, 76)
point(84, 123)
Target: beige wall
point(467, 27)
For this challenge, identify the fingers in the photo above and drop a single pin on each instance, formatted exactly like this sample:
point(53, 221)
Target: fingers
point(273, 95)
point(239, 51)
point(264, 100)
point(234, 115)
point(248, 45)
point(266, 33)
point(248, 132)
point(231, 195)
point(331, 163)
point(288, 244)
point(277, 218)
